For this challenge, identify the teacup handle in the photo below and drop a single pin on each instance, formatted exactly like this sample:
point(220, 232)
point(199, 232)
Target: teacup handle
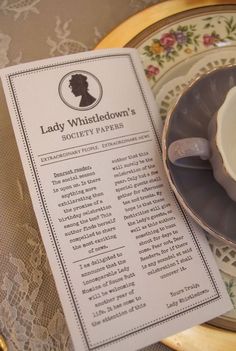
point(190, 147)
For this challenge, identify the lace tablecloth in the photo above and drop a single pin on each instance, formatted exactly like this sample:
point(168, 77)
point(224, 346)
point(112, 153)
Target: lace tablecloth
point(31, 316)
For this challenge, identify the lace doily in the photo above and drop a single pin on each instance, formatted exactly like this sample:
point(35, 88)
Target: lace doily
point(224, 255)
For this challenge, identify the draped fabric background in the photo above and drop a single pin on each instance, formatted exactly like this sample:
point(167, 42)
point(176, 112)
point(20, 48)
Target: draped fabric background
point(35, 29)
point(31, 316)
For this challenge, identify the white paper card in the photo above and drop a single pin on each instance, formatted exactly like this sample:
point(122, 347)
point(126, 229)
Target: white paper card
point(129, 266)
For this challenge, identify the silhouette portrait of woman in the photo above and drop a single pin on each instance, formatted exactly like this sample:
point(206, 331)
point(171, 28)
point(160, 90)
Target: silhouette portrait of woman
point(79, 87)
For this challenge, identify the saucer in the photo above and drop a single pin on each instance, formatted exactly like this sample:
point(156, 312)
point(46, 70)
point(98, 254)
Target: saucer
point(196, 189)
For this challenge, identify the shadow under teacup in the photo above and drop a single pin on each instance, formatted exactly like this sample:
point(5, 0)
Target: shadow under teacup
point(198, 191)
point(219, 148)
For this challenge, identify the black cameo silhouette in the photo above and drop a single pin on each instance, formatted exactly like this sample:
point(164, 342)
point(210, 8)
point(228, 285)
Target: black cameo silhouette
point(79, 87)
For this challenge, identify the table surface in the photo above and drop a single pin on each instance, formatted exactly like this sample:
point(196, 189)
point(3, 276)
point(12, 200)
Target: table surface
point(32, 30)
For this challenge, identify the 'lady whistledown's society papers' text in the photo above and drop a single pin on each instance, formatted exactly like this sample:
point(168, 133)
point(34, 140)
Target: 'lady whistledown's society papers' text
point(129, 266)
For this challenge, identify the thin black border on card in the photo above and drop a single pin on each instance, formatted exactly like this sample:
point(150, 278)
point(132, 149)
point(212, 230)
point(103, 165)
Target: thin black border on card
point(49, 223)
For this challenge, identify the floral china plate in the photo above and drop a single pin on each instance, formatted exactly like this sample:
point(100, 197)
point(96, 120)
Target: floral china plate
point(174, 49)
point(174, 46)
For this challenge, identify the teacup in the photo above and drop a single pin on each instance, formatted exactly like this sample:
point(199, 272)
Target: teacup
point(219, 147)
